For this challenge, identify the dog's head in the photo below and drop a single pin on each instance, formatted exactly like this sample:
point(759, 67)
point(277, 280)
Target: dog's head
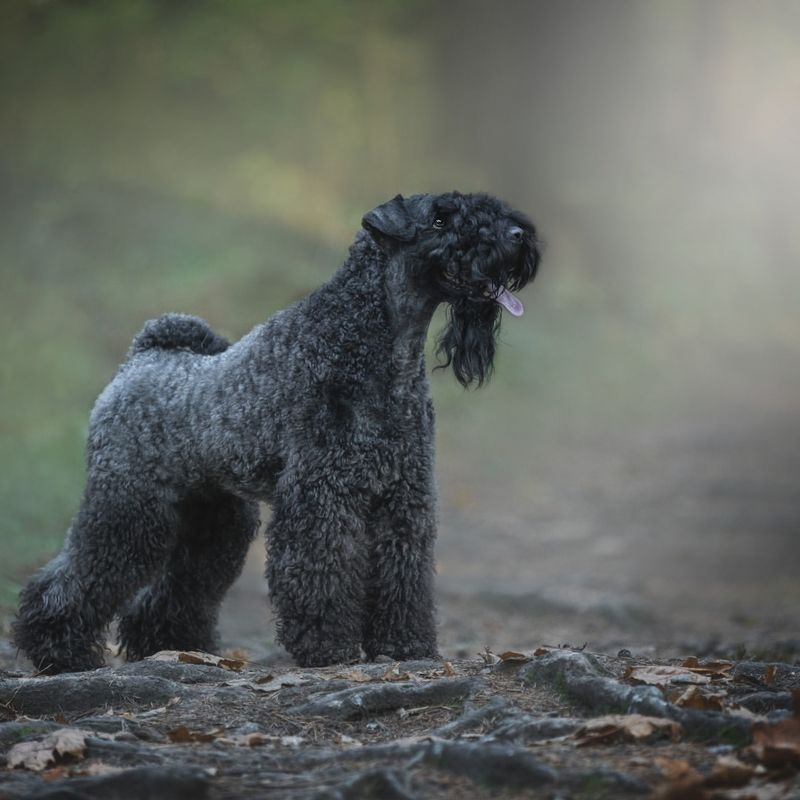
point(470, 251)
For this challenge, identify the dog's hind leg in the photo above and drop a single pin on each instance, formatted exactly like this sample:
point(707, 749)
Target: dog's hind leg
point(316, 569)
point(114, 546)
point(178, 611)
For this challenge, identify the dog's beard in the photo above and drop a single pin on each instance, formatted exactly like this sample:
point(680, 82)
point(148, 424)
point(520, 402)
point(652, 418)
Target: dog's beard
point(467, 342)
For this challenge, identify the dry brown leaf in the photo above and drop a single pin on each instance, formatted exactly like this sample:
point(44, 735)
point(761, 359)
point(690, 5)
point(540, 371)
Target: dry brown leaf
point(197, 657)
point(715, 669)
point(210, 660)
point(543, 650)
point(447, 671)
point(769, 674)
point(633, 727)
point(93, 769)
point(355, 675)
point(777, 744)
point(40, 754)
point(511, 657)
point(237, 654)
point(663, 675)
point(182, 735)
point(729, 771)
point(677, 769)
point(394, 674)
point(247, 739)
point(56, 773)
point(694, 697)
point(272, 684)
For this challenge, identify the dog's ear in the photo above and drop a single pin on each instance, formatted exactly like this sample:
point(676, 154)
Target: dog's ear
point(391, 221)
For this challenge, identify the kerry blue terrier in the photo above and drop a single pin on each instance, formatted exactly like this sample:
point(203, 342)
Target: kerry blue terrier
point(324, 412)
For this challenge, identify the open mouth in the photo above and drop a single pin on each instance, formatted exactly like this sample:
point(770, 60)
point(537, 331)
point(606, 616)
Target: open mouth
point(510, 302)
point(491, 291)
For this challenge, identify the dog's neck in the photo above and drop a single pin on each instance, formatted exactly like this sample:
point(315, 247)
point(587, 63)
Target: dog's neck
point(387, 285)
point(410, 309)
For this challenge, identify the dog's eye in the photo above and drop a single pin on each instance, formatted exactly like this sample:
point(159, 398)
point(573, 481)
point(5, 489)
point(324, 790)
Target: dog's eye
point(440, 221)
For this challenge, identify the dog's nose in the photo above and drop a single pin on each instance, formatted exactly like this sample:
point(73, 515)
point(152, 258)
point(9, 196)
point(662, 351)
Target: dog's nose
point(516, 234)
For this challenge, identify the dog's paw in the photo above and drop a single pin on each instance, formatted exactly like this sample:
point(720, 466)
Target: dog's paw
point(320, 656)
point(406, 651)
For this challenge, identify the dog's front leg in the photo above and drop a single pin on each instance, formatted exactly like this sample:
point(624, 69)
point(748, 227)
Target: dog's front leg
point(316, 569)
point(400, 621)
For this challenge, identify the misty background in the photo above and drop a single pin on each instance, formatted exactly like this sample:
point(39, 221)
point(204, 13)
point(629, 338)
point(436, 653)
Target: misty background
point(631, 475)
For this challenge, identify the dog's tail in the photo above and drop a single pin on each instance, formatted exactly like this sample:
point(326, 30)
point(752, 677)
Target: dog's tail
point(178, 332)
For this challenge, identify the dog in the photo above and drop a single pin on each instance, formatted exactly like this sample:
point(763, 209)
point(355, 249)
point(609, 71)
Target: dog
point(324, 412)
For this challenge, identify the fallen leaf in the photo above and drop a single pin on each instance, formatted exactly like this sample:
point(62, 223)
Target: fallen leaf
point(355, 675)
point(237, 654)
point(40, 754)
point(183, 735)
point(729, 771)
point(677, 769)
point(694, 697)
point(153, 712)
point(777, 744)
point(663, 675)
point(56, 773)
point(207, 659)
point(716, 669)
point(543, 650)
point(511, 657)
point(745, 713)
point(447, 671)
point(196, 657)
point(769, 674)
point(633, 727)
point(247, 739)
point(269, 683)
point(93, 769)
point(394, 674)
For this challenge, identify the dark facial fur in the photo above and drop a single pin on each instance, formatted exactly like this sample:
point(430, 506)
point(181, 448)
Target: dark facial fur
point(461, 250)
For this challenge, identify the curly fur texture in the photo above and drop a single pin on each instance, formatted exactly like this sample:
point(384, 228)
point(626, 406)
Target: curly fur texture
point(324, 412)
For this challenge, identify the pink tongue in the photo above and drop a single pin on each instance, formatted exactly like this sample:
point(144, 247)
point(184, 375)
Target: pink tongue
point(509, 302)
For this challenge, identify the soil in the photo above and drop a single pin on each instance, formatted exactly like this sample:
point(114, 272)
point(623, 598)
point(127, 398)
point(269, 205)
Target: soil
point(508, 726)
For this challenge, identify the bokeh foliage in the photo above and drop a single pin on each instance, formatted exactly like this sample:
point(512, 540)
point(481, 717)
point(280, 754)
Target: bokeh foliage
point(215, 157)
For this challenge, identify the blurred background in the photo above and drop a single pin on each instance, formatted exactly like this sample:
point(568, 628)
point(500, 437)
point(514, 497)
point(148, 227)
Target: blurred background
point(631, 476)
